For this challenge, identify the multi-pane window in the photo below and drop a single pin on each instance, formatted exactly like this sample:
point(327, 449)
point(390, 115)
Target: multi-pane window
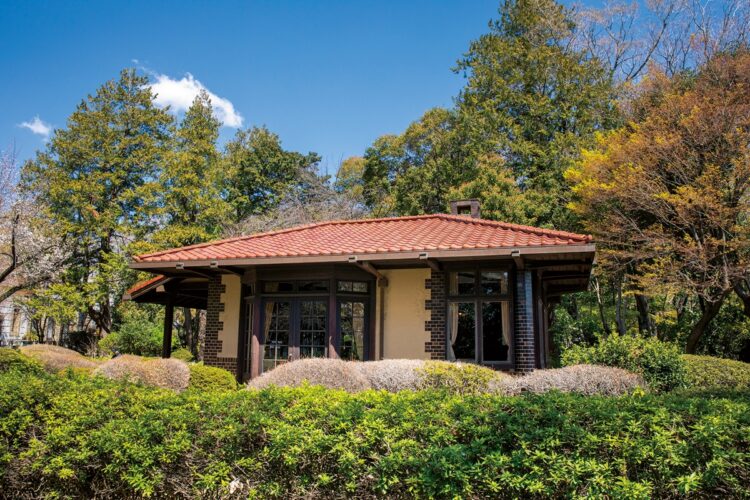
point(313, 329)
point(352, 286)
point(479, 316)
point(276, 351)
point(352, 329)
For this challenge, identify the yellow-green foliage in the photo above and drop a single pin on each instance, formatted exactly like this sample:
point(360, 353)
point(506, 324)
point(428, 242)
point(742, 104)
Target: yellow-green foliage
point(82, 437)
point(182, 354)
point(11, 359)
point(209, 378)
point(56, 359)
point(458, 378)
point(708, 372)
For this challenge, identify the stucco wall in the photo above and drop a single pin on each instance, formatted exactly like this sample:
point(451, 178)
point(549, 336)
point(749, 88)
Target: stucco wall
point(405, 314)
point(230, 317)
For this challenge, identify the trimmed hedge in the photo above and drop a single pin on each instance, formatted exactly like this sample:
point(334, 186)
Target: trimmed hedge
point(210, 378)
point(660, 363)
point(73, 436)
point(708, 372)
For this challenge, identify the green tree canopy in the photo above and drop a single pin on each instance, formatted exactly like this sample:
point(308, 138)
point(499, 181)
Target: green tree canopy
point(97, 179)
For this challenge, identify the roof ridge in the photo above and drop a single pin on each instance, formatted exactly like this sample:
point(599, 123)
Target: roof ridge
point(302, 227)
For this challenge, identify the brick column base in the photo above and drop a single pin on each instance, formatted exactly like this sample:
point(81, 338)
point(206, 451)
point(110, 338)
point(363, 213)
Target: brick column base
point(212, 344)
point(524, 323)
point(436, 325)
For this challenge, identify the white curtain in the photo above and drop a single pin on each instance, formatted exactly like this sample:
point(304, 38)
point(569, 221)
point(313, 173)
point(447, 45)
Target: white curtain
point(453, 313)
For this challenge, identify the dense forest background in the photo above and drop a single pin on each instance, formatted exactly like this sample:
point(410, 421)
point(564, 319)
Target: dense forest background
point(630, 122)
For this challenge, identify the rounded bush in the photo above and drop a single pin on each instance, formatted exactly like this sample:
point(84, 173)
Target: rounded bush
point(182, 354)
point(708, 372)
point(56, 359)
point(660, 363)
point(210, 378)
point(458, 378)
point(11, 359)
point(392, 375)
point(329, 373)
point(157, 372)
point(580, 379)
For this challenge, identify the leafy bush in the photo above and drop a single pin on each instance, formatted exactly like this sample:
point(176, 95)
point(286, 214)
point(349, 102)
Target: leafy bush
point(55, 358)
point(209, 378)
point(137, 334)
point(79, 437)
point(158, 372)
point(11, 359)
point(329, 373)
point(458, 378)
point(707, 372)
point(658, 362)
point(581, 379)
point(182, 354)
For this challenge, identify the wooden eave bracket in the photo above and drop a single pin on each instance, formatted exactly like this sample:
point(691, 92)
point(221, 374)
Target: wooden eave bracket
point(516, 254)
point(366, 266)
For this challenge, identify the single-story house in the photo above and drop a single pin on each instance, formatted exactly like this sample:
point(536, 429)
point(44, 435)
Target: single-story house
point(444, 286)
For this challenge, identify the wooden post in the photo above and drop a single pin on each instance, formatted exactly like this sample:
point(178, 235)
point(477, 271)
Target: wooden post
point(166, 348)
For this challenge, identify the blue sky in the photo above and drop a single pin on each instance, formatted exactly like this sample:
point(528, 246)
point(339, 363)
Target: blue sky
point(327, 76)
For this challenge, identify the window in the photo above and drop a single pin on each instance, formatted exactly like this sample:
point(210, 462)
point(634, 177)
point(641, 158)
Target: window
point(479, 316)
point(352, 286)
point(295, 286)
point(352, 329)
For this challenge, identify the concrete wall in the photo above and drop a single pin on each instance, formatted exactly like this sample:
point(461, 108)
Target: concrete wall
point(231, 297)
point(405, 314)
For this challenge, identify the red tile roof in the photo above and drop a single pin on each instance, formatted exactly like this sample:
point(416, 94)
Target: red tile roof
point(372, 236)
point(143, 284)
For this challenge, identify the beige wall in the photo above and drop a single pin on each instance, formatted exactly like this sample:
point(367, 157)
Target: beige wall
point(230, 317)
point(405, 314)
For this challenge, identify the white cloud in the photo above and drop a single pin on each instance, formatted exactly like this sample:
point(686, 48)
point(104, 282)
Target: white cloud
point(179, 95)
point(37, 126)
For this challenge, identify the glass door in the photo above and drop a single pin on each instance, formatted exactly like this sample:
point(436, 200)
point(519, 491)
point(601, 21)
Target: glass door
point(277, 332)
point(293, 329)
point(352, 325)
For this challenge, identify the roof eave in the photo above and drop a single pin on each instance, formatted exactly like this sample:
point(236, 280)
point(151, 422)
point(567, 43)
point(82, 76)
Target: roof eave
point(473, 253)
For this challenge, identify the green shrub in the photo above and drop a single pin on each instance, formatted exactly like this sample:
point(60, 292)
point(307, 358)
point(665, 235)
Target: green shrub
point(78, 437)
point(458, 378)
point(209, 378)
point(658, 362)
point(708, 372)
point(137, 334)
point(11, 359)
point(182, 354)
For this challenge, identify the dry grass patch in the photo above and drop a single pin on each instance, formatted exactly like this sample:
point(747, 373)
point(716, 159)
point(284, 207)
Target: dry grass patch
point(55, 358)
point(158, 372)
point(580, 379)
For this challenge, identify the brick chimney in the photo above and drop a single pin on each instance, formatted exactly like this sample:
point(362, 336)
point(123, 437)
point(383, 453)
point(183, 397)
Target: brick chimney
point(466, 207)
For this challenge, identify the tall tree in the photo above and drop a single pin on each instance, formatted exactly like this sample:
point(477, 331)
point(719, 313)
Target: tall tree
point(531, 100)
point(258, 171)
point(534, 99)
point(192, 206)
point(667, 195)
point(98, 182)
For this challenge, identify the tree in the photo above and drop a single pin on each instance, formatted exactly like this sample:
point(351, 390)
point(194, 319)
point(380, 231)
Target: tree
point(259, 171)
point(667, 195)
point(531, 100)
point(192, 207)
point(97, 180)
point(534, 99)
point(29, 252)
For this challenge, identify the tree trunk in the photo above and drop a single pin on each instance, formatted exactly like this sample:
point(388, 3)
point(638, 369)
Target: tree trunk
point(619, 318)
point(710, 310)
point(645, 323)
point(201, 334)
point(600, 303)
point(742, 289)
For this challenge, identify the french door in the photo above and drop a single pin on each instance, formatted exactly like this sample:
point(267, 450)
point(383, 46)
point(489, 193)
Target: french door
point(294, 328)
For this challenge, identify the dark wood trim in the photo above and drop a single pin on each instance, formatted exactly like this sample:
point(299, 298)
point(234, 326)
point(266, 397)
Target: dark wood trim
point(256, 346)
point(333, 344)
point(166, 346)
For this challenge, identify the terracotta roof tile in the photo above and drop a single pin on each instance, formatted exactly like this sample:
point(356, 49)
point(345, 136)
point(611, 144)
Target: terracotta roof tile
point(366, 236)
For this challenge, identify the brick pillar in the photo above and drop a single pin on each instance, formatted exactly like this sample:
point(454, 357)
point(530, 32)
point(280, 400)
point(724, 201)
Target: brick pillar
point(524, 322)
point(212, 344)
point(436, 326)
